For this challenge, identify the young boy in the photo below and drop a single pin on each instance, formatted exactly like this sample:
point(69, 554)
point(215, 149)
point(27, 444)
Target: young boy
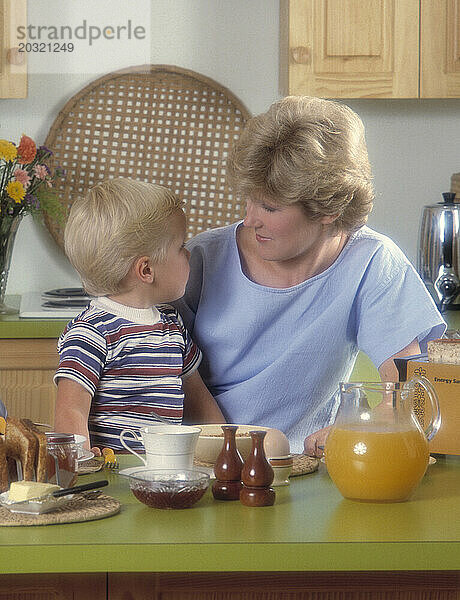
point(128, 354)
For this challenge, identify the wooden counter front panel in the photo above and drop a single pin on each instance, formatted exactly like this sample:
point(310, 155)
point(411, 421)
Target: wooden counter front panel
point(416, 585)
point(53, 587)
point(413, 585)
point(27, 367)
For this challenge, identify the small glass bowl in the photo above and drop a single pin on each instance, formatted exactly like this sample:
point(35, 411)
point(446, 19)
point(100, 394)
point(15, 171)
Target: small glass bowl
point(168, 488)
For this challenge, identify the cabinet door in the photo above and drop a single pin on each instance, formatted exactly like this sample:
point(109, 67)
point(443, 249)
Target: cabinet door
point(351, 48)
point(404, 585)
point(13, 70)
point(27, 367)
point(43, 586)
point(440, 49)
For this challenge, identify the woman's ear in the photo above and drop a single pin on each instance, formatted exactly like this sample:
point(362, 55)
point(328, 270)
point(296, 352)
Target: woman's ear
point(143, 269)
point(328, 219)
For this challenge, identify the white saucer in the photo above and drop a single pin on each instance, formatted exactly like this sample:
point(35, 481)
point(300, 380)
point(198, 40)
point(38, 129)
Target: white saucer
point(87, 455)
point(127, 472)
point(208, 470)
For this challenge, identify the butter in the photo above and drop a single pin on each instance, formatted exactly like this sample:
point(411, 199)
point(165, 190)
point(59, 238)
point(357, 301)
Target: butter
point(25, 490)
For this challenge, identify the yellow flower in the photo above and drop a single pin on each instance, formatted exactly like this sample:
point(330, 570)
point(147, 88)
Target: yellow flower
point(7, 150)
point(16, 190)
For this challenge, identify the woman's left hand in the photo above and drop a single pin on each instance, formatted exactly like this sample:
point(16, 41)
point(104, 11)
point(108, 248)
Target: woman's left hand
point(314, 443)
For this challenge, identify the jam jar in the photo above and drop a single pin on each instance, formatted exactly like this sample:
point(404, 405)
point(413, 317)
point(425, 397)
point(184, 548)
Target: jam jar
point(62, 464)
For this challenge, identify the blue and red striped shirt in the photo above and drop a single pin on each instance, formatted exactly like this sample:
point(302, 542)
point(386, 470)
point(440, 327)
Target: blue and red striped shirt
point(132, 362)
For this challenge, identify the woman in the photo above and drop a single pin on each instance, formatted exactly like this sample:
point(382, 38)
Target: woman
point(281, 303)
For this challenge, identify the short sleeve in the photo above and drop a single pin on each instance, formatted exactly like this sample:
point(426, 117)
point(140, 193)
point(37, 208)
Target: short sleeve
point(82, 355)
point(192, 354)
point(394, 312)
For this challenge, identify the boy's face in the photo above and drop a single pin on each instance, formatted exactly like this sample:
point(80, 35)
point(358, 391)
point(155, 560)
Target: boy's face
point(171, 275)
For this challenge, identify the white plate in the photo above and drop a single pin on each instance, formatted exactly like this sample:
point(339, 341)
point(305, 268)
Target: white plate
point(87, 455)
point(208, 470)
point(35, 508)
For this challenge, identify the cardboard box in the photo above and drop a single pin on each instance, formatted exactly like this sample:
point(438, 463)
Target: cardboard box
point(445, 379)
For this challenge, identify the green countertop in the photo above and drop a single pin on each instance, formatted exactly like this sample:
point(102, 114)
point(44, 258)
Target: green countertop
point(310, 528)
point(11, 326)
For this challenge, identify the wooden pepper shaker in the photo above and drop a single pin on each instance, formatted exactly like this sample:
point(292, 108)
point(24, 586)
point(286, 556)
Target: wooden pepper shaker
point(257, 475)
point(228, 467)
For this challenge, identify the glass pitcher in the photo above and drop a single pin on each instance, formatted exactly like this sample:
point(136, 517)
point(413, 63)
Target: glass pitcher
point(377, 450)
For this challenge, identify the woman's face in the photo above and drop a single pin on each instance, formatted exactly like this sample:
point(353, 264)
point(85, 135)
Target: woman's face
point(284, 232)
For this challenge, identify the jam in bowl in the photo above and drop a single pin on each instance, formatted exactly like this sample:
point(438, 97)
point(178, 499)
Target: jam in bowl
point(168, 488)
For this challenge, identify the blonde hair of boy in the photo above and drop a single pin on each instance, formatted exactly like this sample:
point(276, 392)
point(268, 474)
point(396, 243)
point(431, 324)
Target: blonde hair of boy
point(309, 151)
point(118, 221)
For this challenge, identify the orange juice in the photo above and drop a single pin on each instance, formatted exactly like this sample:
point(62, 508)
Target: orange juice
point(376, 466)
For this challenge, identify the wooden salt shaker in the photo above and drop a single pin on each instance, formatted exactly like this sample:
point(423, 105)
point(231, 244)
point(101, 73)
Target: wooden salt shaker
point(257, 475)
point(228, 468)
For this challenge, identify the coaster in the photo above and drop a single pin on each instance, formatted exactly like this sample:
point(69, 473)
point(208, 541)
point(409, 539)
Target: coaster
point(77, 510)
point(301, 464)
point(202, 463)
point(304, 464)
point(90, 466)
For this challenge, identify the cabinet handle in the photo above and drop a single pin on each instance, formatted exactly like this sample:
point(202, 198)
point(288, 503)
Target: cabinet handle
point(14, 57)
point(301, 55)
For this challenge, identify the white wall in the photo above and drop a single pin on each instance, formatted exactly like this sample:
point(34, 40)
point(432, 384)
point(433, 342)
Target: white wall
point(414, 145)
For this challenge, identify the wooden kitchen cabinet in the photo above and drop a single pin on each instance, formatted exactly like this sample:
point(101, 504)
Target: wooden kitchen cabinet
point(61, 586)
point(280, 586)
point(372, 49)
point(13, 64)
point(440, 49)
point(232, 586)
point(27, 367)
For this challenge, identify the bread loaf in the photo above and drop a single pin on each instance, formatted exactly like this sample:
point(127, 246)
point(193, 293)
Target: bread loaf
point(3, 466)
point(41, 458)
point(444, 351)
point(21, 444)
point(25, 444)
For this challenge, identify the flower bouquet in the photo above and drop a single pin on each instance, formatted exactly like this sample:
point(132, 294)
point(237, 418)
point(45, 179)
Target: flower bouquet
point(26, 187)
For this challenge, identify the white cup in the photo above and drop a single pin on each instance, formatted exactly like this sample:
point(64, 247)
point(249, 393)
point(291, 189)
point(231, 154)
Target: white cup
point(166, 446)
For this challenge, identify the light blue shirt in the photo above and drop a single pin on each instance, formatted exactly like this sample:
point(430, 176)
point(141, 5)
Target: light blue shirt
point(275, 357)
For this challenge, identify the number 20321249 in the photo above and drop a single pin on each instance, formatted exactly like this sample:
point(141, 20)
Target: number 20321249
point(46, 47)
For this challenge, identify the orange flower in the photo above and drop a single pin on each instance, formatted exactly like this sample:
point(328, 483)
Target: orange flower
point(26, 150)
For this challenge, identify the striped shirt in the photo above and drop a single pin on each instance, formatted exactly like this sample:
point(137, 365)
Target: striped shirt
point(132, 362)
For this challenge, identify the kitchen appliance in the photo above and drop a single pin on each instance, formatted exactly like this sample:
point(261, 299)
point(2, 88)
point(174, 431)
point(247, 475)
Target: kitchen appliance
point(438, 260)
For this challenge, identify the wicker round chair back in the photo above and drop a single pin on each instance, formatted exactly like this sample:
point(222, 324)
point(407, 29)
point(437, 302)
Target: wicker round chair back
point(155, 123)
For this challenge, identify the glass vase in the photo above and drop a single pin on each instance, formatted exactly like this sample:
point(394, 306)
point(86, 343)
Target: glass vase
point(8, 228)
